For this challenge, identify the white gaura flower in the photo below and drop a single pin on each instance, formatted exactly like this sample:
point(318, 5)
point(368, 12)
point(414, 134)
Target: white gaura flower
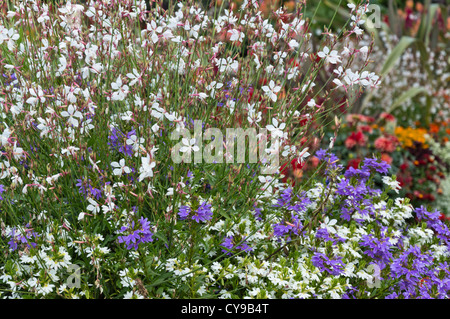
point(254, 117)
point(256, 59)
point(69, 150)
point(93, 207)
point(71, 113)
point(351, 78)
point(134, 77)
point(331, 57)
point(271, 90)
point(44, 126)
point(155, 128)
point(276, 128)
point(146, 169)
point(212, 87)
point(9, 36)
point(86, 126)
point(37, 96)
point(120, 168)
point(121, 90)
point(227, 65)
point(135, 143)
point(62, 66)
point(303, 155)
point(288, 150)
point(157, 111)
point(5, 137)
point(153, 29)
point(236, 35)
point(189, 145)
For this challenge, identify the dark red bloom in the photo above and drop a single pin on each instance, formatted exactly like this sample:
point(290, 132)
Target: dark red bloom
point(404, 166)
point(355, 138)
point(354, 162)
point(292, 170)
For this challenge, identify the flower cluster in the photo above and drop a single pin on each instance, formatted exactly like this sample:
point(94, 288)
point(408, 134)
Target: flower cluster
point(419, 170)
point(202, 213)
point(136, 233)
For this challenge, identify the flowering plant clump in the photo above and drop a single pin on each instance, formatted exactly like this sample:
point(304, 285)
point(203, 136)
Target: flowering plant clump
point(419, 170)
point(92, 96)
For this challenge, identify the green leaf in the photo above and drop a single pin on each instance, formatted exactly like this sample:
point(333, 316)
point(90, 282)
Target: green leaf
point(426, 23)
point(424, 56)
point(162, 279)
point(345, 13)
point(404, 42)
point(406, 96)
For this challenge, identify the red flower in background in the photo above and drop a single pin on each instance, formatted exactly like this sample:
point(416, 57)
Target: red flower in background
point(387, 117)
point(354, 162)
point(355, 138)
point(366, 128)
point(386, 143)
point(292, 170)
point(404, 166)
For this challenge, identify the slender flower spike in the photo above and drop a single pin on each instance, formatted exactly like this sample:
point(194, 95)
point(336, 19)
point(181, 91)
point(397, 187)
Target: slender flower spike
point(120, 168)
point(271, 90)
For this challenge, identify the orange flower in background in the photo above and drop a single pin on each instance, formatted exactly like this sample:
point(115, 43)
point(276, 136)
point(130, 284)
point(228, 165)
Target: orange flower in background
point(410, 4)
point(387, 158)
point(434, 128)
point(407, 136)
point(419, 7)
point(267, 6)
point(290, 5)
